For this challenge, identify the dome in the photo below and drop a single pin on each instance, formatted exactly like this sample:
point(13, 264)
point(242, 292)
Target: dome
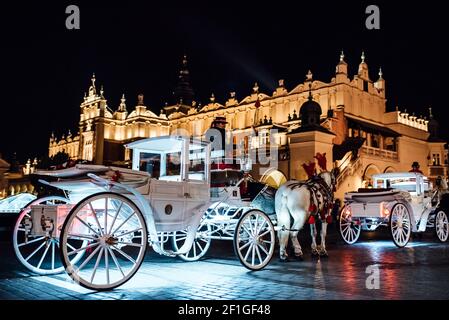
point(310, 106)
point(310, 113)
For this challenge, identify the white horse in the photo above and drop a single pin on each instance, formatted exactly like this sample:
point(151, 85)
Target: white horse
point(296, 200)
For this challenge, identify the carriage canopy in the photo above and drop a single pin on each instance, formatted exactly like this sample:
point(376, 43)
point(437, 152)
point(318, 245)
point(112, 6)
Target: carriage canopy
point(172, 158)
point(412, 182)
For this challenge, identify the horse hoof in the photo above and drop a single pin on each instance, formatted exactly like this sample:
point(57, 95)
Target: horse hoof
point(324, 255)
point(315, 253)
point(283, 260)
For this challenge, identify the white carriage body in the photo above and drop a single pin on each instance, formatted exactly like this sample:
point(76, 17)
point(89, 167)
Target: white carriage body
point(177, 194)
point(115, 211)
point(372, 207)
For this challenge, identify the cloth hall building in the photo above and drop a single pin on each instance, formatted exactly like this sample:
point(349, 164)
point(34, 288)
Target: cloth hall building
point(346, 118)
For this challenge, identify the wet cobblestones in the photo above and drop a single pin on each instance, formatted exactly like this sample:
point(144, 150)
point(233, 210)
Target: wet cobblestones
point(419, 271)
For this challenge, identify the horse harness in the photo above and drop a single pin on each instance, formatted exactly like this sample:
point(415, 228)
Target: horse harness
point(320, 195)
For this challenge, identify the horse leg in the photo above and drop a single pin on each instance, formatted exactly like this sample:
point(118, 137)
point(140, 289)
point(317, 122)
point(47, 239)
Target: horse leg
point(313, 234)
point(323, 252)
point(283, 217)
point(298, 223)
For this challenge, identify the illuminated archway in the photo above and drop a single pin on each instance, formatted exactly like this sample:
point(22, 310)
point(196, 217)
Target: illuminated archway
point(273, 178)
point(370, 170)
point(389, 169)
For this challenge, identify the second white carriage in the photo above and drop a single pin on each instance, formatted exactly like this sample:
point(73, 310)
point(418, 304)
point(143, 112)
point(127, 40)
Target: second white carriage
point(401, 201)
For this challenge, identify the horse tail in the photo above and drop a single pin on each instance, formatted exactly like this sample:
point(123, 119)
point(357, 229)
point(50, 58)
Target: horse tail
point(281, 203)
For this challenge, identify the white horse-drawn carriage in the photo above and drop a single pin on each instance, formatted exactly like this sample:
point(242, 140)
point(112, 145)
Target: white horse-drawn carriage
point(109, 216)
point(403, 202)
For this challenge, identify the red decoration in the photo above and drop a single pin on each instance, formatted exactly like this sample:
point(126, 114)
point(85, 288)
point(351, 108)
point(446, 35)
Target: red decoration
point(257, 104)
point(310, 169)
point(311, 220)
point(322, 163)
point(116, 176)
point(329, 219)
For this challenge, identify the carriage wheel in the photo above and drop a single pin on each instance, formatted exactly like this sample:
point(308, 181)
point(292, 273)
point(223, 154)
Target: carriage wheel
point(400, 225)
point(441, 226)
point(254, 239)
point(349, 229)
point(200, 245)
point(117, 239)
point(38, 253)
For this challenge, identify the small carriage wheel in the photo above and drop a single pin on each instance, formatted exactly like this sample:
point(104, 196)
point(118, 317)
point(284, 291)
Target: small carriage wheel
point(441, 226)
point(117, 235)
point(200, 245)
point(400, 225)
point(254, 239)
point(349, 231)
point(38, 253)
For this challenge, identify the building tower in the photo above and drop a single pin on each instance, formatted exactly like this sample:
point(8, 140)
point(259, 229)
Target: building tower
point(183, 92)
point(309, 139)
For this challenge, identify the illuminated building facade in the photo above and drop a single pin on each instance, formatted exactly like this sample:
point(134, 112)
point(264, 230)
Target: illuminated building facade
point(355, 130)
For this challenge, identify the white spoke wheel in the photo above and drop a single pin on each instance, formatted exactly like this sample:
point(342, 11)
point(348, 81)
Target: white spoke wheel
point(117, 240)
point(200, 245)
point(254, 239)
point(400, 225)
point(349, 229)
point(38, 253)
point(441, 226)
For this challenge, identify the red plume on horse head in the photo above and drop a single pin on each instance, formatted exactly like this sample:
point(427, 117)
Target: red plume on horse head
point(310, 169)
point(322, 163)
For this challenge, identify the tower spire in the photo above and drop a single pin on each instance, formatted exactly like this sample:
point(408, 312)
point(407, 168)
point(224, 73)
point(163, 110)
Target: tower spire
point(92, 88)
point(363, 68)
point(122, 106)
point(183, 91)
point(342, 56)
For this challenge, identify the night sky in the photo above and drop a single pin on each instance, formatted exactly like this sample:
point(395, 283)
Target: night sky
point(136, 47)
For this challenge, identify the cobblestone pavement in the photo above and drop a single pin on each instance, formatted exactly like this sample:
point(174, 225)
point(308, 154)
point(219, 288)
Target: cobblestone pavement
point(419, 271)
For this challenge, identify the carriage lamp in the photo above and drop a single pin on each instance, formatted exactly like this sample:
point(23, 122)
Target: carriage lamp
point(384, 212)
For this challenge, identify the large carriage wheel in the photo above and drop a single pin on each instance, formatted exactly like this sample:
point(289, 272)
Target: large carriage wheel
point(400, 225)
point(254, 239)
point(349, 229)
point(38, 253)
point(200, 245)
point(117, 235)
point(441, 226)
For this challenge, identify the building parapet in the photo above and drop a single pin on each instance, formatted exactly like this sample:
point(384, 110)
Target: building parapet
point(380, 153)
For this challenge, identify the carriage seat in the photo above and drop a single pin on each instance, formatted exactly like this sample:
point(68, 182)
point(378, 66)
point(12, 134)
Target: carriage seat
point(132, 178)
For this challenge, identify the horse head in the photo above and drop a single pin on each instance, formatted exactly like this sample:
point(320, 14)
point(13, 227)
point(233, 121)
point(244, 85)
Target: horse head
point(441, 184)
point(330, 178)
